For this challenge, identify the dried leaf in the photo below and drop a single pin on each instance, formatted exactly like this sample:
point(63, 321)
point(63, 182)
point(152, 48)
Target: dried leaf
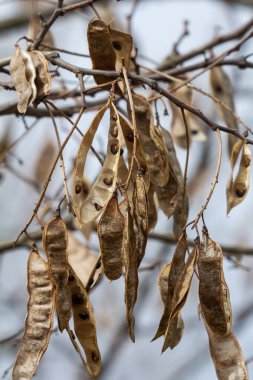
point(177, 266)
point(55, 242)
point(23, 75)
point(222, 89)
point(238, 189)
point(43, 77)
point(131, 264)
point(110, 233)
point(152, 144)
point(227, 356)
point(105, 184)
point(39, 320)
point(213, 290)
point(84, 324)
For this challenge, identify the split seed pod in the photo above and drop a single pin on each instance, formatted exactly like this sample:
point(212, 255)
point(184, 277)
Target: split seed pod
point(213, 290)
point(55, 242)
point(110, 233)
point(23, 75)
point(39, 320)
point(84, 324)
point(238, 189)
point(43, 77)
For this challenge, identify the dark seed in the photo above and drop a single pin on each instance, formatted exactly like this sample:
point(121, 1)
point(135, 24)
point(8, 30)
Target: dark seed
point(83, 316)
point(142, 170)
point(78, 189)
point(108, 181)
point(240, 192)
point(97, 207)
point(114, 148)
point(77, 299)
point(116, 45)
point(114, 117)
point(71, 278)
point(94, 357)
point(130, 137)
point(121, 151)
point(114, 132)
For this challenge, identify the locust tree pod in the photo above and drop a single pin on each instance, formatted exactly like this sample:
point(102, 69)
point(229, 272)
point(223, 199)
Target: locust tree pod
point(105, 184)
point(39, 319)
point(55, 243)
point(84, 324)
point(111, 239)
point(238, 189)
point(213, 290)
point(23, 76)
point(43, 77)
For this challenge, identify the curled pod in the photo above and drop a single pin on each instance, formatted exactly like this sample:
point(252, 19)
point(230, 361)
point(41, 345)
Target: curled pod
point(213, 290)
point(43, 77)
point(55, 242)
point(39, 319)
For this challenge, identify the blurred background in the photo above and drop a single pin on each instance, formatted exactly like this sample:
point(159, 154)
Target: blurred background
point(156, 26)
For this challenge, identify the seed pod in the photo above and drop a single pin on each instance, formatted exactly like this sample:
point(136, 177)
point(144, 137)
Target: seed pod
point(177, 266)
point(55, 242)
point(176, 330)
point(227, 356)
point(131, 279)
point(152, 207)
point(101, 192)
point(213, 290)
point(238, 189)
point(110, 233)
point(222, 89)
point(84, 324)
point(180, 294)
point(152, 144)
point(140, 211)
point(39, 320)
point(43, 77)
point(23, 75)
point(44, 160)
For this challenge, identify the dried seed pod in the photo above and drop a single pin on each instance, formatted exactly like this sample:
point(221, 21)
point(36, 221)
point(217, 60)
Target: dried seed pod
point(152, 144)
point(213, 290)
point(39, 320)
point(238, 189)
point(222, 89)
point(131, 279)
point(55, 242)
point(140, 211)
point(227, 356)
point(177, 266)
point(177, 324)
point(101, 193)
point(44, 160)
point(152, 207)
point(84, 324)
point(180, 294)
point(110, 233)
point(101, 50)
point(23, 75)
point(43, 77)
point(80, 191)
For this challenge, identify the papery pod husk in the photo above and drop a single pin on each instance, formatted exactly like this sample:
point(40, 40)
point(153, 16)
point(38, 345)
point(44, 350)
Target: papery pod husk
point(81, 189)
point(23, 75)
point(213, 290)
point(84, 324)
point(43, 77)
point(110, 229)
point(131, 267)
point(152, 207)
point(105, 184)
point(34, 27)
point(180, 295)
point(152, 144)
point(82, 260)
point(140, 212)
point(177, 266)
point(177, 325)
point(55, 243)
point(238, 189)
point(227, 356)
point(39, 319)
point(222, 89)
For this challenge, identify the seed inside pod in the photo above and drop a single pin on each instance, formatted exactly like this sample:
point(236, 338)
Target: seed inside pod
point(108, 181)
point(77, 299)
point(114, 148)
point(83, 316)
point(97, 207)
point(114, 132)
point(116, 45)
point(130, 137)
point(78, 189)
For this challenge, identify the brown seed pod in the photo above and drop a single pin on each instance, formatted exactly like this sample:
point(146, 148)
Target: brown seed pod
point(152, 207)
point(84, 324)
point(227, 356)
point(131, 265)
point(177, 266)
point(44, 160)
point(238, 189)
point(39, 320)
point(101, 193)
point(43, 77)
point(23, 75)
point(213, 290)
point(110, 233)
point(55, 242)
